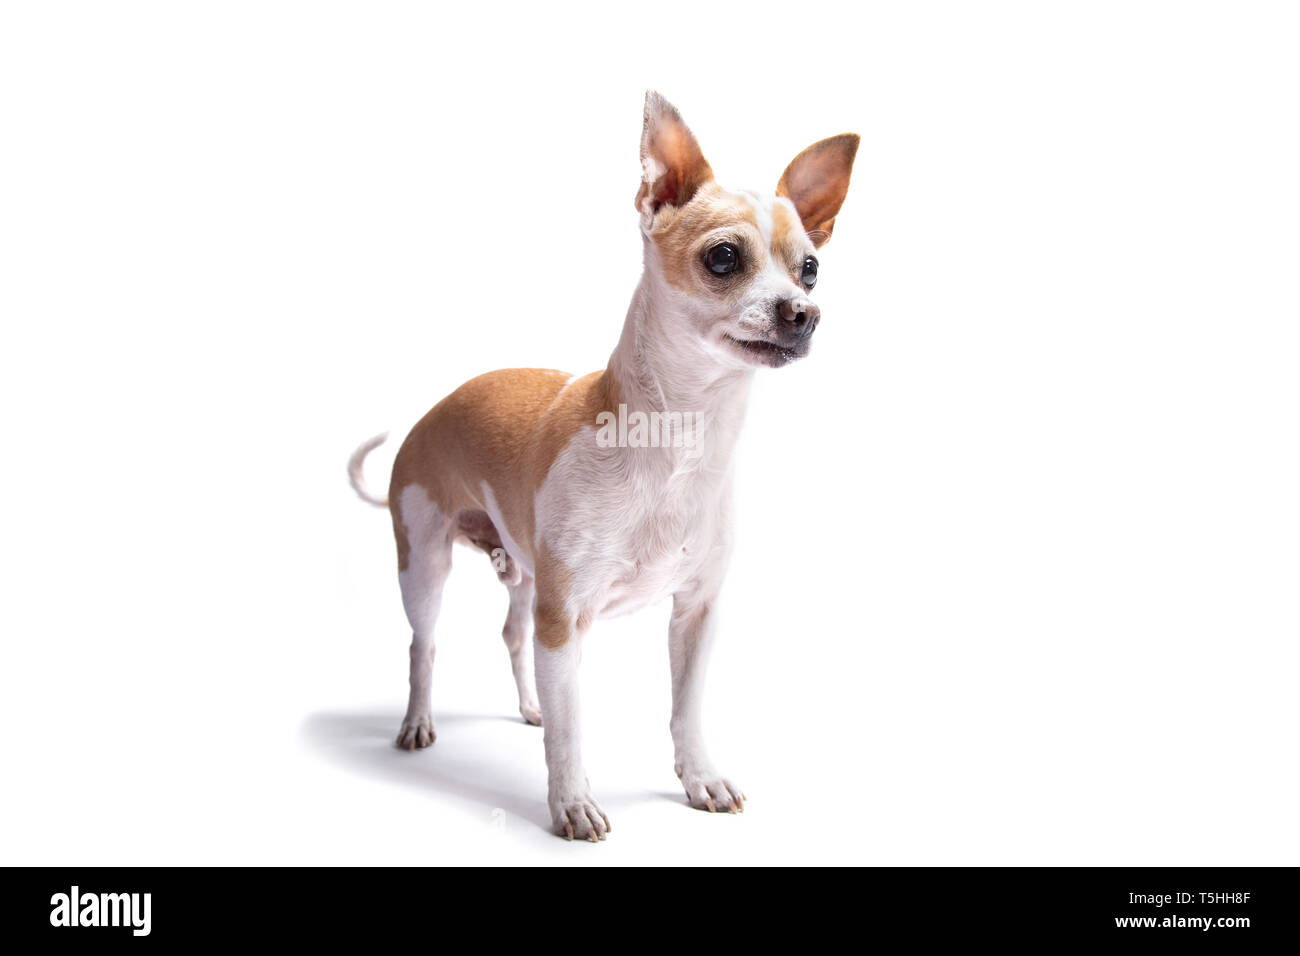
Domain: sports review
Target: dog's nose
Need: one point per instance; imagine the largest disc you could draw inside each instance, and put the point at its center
(800, 314)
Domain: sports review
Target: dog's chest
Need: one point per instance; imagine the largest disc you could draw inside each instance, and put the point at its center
(633, 526)
(656, 557)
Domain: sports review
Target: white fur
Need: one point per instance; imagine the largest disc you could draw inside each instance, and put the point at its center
(421, 582)
(516, 633)
(690, 635)
(762, 206)
(356, 471)
(574, 812)
(755, 315)
(432, 534)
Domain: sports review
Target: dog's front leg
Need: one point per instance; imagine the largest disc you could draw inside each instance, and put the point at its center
(557, 652)
(690, 635)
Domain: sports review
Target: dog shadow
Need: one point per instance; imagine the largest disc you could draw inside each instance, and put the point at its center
(452, 766)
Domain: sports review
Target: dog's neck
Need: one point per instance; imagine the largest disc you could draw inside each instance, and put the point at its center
(659, 365)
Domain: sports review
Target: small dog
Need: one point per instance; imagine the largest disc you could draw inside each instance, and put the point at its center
(583, 519)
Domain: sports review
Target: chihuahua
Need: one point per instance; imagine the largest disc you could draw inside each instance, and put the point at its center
(582, 519)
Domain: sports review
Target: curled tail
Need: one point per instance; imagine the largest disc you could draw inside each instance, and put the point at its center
(355, 475)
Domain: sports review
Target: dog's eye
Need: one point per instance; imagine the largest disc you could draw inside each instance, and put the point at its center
(722, 259)
(810, 272)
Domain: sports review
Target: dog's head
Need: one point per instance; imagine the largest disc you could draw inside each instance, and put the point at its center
(739, 265)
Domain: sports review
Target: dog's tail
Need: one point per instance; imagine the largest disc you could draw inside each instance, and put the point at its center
(355, 475)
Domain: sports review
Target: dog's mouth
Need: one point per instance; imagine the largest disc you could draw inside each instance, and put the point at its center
(763, 352)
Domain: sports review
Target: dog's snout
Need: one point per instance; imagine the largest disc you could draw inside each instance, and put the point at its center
(799, 314)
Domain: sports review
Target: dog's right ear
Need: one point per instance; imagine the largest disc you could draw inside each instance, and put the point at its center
(672, 166)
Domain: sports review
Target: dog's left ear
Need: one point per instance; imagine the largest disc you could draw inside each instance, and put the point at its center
(817, 181)
(672, 166)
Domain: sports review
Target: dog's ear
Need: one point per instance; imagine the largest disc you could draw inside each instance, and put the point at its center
(672, 166)
(816, 182)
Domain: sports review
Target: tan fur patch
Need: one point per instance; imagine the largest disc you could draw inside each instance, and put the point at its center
(505, 428)
(683, 234)
(477, 433)
(552, 622)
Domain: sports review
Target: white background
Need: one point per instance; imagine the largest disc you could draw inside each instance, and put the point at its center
(1016, 579)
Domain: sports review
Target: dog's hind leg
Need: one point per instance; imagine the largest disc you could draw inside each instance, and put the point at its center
(424, 542)
(517, 634)
(477, 528)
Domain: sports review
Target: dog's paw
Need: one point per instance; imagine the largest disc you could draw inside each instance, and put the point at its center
(531, 713)
(708, 791)
(580, 818)
(416, 733)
